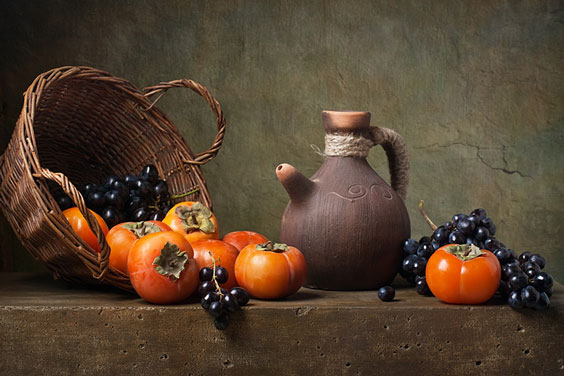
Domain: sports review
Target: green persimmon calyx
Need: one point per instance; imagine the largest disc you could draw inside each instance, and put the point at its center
(171, 262)
(195, 217)
(140, 229)
(272, 247)
(464, 252)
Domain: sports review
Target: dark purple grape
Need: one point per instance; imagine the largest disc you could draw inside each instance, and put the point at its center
(435, 245)
(509, 270)
(134, 203)
(205, 287)
(95, 200)
(457, 237)
(149, 173)
(410, 246)
(208, 299)
(440, 235)
(449, 226)
(113, 198)
(157, 215)
(216, 308)
(425, 240)
(408, 262)
(549, 292)
(112, 216)
(529, 265)
(543, 281)
(408, 276)
(419, 266)
(121, 188)
(538, 259)
(230, 303)
(518, 281)
(160, 189)
(530, 296)
(491, 244)
(480, 213)
(241, 295)
(514, 300)
(524, 257)
(221, 322)
(425, 250)
(386, 293)
(475, 220)
(65, 202)
(512, 255)
(144, 188)
(421, 286)
(481, 233)
(512, 261)
(206, 274)
(140, 214)
(457, 218)
(502, 254)
(543, 302)
(130, 181)
(471, 240)
(221, 275)
(503, 289)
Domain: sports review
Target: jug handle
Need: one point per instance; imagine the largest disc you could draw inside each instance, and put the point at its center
(396, 151)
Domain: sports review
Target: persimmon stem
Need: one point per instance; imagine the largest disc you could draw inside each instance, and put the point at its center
(429, 222)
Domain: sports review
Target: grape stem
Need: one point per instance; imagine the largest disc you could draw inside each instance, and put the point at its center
(213, 276)
(185, 194)
(429, 222)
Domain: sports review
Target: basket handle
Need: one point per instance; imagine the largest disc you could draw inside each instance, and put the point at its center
(76, 197)
(212, 151)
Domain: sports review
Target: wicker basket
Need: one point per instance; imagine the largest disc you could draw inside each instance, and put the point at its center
(77, 125)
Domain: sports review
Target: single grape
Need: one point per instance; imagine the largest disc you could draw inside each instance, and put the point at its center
(221, 275)
(112, 216)
(512, 261)
(491, 244)
(502, 254)
(538, 259)
(449, 226)
(419, 266)
(140, 214)
(205, 287)
(530, 296)
(160, 189)
(475, 220)
(241, 295)
(425, 250)
(410, 246)
(482, 233)
(543, 281)
(130, 181)
(480, 213)
(421, 286)
(518, 281)
(65, 202)
(121, 188)
(221, 322)
(514, 300)
(144, 188)
(386, 293)
(543, 302)
(157, 215)
(466, 226)
(95, 200)
(457, 218)
(425, 240)
(509, 270)
(210, 297)
(216, 308)
(435, 245)
(533, 267)
(456, 237)
(206, 274)
(134, 203)
(149, 173)
(230, 303)
(441, 235)
(524, 257)
(113, 198)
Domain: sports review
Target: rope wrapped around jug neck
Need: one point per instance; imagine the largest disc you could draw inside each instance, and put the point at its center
(358, 145)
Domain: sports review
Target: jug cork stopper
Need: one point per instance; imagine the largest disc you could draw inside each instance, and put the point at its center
(345, 121)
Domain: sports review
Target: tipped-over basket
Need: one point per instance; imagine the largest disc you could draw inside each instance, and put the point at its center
(78, 125)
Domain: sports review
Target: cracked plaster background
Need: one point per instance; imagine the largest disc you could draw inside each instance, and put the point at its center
(475, 88)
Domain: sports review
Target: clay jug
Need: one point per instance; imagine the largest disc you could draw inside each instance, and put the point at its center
(347, 221)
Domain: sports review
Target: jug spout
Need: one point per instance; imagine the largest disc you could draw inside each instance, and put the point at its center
(299, 187)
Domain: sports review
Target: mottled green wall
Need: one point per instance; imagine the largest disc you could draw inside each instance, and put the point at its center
(475, 87)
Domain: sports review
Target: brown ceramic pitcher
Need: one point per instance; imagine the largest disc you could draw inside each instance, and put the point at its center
(348, 222)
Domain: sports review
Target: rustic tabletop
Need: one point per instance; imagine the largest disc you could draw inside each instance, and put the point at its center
(49, 327)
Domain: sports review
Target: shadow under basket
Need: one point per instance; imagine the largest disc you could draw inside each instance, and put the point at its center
(78, 125)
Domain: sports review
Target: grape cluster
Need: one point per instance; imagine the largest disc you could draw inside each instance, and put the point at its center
(216, 300)
(131, 198)
(523, 283)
